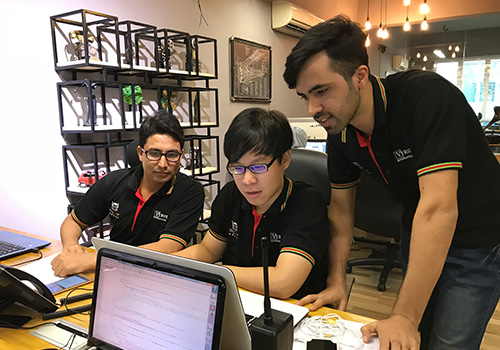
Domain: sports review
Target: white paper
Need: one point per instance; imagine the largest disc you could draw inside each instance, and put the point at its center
(42, 270)
(253, 305)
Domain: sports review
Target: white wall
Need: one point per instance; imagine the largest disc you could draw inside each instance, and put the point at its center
(32, 191)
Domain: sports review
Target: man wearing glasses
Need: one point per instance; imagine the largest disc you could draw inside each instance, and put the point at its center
(153, 205)
(262, 202)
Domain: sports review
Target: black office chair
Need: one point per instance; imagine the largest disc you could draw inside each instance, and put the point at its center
(132, 157)
(312, 167)
(378, 213)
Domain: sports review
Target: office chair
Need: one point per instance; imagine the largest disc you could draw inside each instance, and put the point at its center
(378, 213)
(132, 157)
(312, 167)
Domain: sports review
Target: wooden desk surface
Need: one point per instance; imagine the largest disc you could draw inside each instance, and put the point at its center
(20, 339)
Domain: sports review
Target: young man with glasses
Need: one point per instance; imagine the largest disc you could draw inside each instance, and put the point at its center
(153, 205)
(262, 202)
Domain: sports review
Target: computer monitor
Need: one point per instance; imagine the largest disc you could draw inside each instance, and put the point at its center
(316, 145)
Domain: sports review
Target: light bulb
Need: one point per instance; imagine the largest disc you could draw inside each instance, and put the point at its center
(425, 58)
(368, 24)
(418, 54)
(450, 47)
(380, 31)
(367, 42)
(406, 2)
(406, 26)
(385, 33)
(423, 68)
(453, 55)
(424, 25)
(457, 48)
(424, 8)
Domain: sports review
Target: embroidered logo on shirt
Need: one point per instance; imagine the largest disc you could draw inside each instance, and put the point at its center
(402, 154)
(158, 215)
(275, 237)
(233, 231)
(113, 210)
(357, 165)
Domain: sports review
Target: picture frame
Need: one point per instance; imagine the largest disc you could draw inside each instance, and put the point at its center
(250, 71)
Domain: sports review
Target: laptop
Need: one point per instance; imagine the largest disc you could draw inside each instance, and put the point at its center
(235, 333)
(12, 244)
(141, 303)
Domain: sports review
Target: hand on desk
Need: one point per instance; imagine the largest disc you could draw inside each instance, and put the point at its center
(335, 296)
(396, 332)
(73, 260)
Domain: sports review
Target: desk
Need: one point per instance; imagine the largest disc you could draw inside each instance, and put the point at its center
(20, 339)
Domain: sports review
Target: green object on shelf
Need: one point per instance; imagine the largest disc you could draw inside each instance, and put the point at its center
(127, 94)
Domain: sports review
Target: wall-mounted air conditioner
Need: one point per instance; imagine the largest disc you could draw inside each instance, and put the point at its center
(399, 62)
(291, 19)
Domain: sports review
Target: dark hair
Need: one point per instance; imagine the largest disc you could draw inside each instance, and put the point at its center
(343, 41)
(161, 123)
(260, 131)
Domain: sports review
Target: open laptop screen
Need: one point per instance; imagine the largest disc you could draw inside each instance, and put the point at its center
(140, 303)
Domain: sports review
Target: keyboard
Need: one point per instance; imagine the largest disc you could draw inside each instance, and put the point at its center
(7, 248)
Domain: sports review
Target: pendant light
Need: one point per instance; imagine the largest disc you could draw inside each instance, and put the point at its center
(368, 24)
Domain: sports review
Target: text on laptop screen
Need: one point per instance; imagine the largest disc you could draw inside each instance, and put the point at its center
(143, 308)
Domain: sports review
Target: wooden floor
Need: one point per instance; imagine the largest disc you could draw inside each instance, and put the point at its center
(366, 300)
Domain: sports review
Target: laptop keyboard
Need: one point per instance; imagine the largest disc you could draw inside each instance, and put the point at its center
(7, 248)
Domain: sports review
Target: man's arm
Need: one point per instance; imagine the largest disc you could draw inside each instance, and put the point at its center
(208, 250)
(74, 258)
(285, 278)
(164, 245)
(432, 232)
(70, 234)
(341, 220)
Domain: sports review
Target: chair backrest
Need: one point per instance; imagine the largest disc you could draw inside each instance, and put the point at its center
(310, 167)
(375, 210)
(132, 157)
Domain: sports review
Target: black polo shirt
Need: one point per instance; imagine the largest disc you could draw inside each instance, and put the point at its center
(171, 213)
(423, 123)
(295, 223)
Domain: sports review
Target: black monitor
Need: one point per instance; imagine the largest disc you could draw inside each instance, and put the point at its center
(13, 289)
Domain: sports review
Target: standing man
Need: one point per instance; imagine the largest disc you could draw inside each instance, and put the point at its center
(415, 132)
(153, 205)
(262, 202)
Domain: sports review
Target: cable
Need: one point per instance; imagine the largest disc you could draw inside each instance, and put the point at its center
(323, 327)
(35, 250)
(69, 300)
(62, 313)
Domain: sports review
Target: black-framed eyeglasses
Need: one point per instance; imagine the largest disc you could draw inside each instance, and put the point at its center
(155, 155)
(254, 168)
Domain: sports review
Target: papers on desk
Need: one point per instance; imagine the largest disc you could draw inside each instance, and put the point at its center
(253, 305)
(42, 270)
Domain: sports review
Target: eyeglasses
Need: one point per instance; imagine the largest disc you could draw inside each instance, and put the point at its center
(155, 155)
(254, 168)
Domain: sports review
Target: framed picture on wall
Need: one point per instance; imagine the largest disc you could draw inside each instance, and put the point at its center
(250, 71)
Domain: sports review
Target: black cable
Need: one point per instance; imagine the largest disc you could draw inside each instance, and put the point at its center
(40, 255)
(202, 16)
